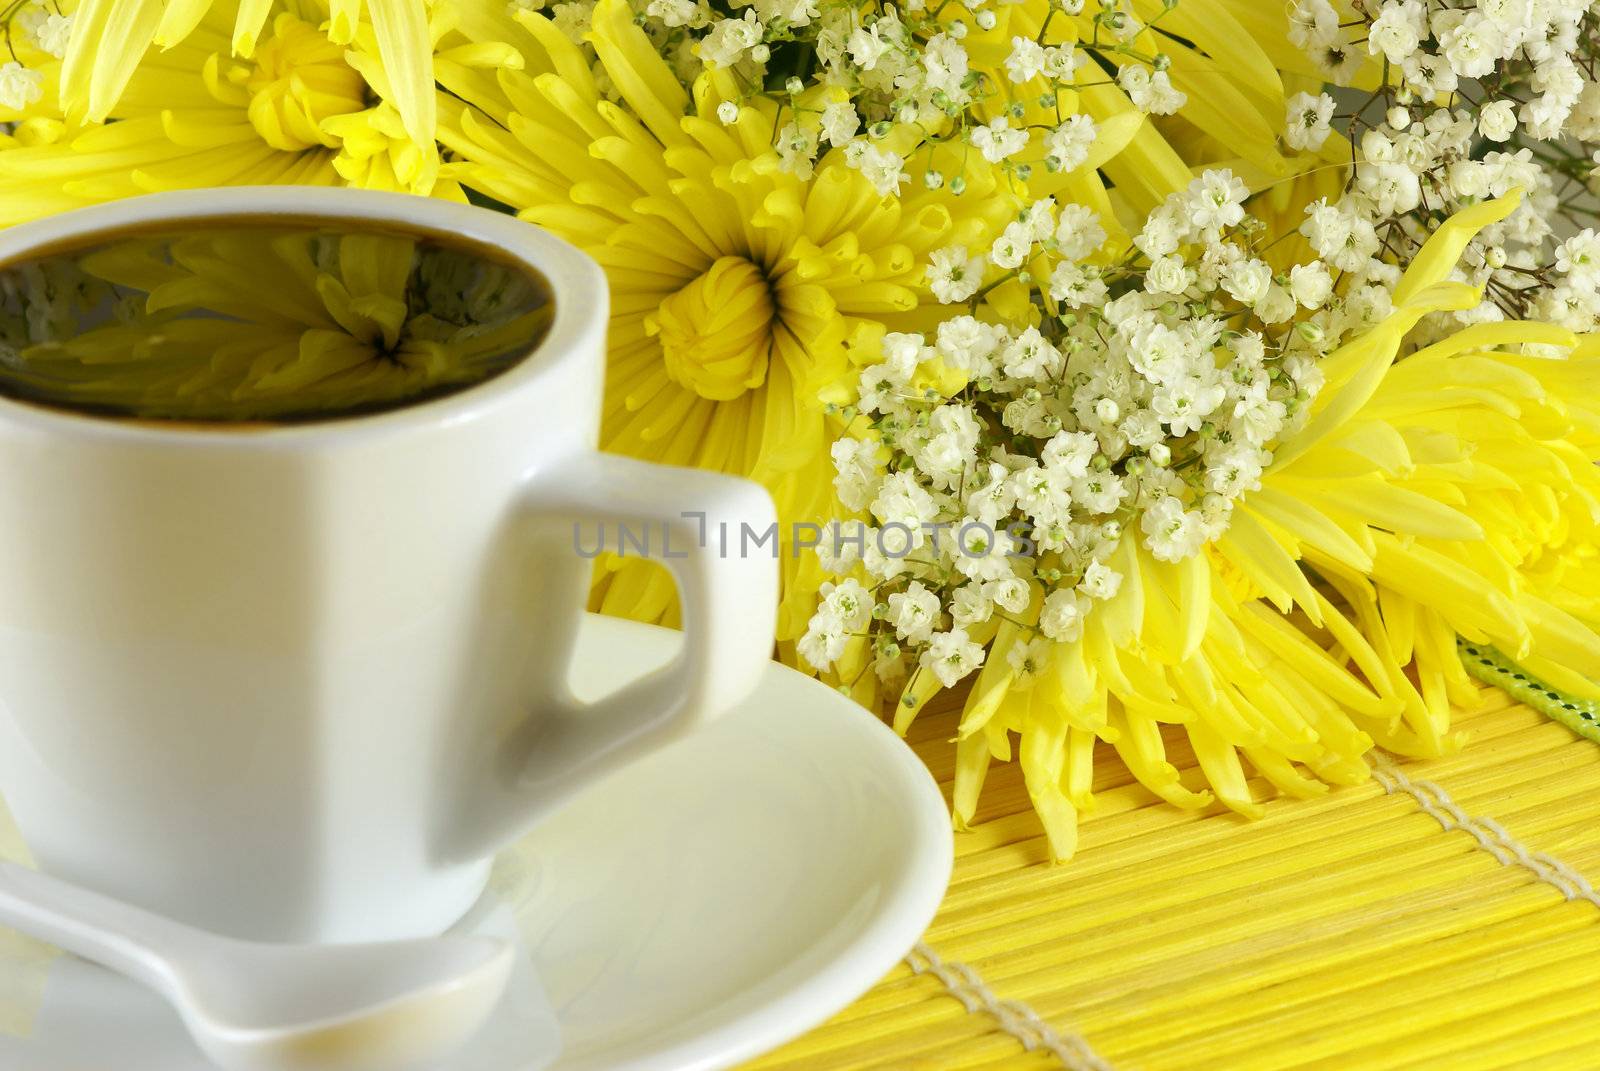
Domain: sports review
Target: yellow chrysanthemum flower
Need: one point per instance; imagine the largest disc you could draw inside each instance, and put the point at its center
(1220, 57)
(1453, 493)
(1232, 61)
(1399, 497)
(111, 39)
(304, 109)
(736, 286)
(1235, 61)
(1142, 168)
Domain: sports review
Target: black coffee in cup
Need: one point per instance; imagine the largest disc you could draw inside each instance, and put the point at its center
(277, 320)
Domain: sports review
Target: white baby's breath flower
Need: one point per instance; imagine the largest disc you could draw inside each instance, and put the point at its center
(1030, 356)
(19, 86)
(1011, 594)
(839, 122)
(1579, 256)
(1067, 146)
(1312, 23)
(1100, 581)
(1471, 42)
(1306, 125)
(1061, 618)
(1393, 187)
(951, 656)
(1171, 532)
(1027, 659)
(1497, 120)
(673, 12)
(914, 613)
(730, 39)
(1026, 60)
(997, 140)
(945, 63)
(868, 44)
(51, 31)
(1310, 284)
(1040, 218)
(952, 275)
(824, 640)
(1234, 469)
(901, 500)
(1429, 75)
(967, 343)
(1068, 454)
(1078, 231)
(1216, 200)
(970, 606)
(1247, 280)
(1076, 285)
(1061, 62)
(884, 169)
(848, 604)
(1398, 30)
(793, 12)
(797, 150)
(1012, 247)
(1150, 92)
(1168, 275)
(856, 470)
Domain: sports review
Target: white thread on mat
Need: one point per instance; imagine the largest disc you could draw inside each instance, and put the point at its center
(1014, 1018)
(1490, 835)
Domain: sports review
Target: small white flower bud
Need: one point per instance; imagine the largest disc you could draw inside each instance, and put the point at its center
(1497, 120)
(985, 20)
(1107, 410)
(728, 112)
(1399, 118)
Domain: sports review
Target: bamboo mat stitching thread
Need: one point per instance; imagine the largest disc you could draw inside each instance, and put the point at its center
(1014, 1018)
(1021, 1022)
(1490, 835)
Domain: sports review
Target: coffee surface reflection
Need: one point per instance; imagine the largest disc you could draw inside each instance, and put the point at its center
(275, 321)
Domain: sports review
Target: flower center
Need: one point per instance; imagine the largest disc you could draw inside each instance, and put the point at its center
(716, 333)
(299, 79)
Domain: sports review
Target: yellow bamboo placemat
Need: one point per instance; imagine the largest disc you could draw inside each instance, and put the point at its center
(1436, 917)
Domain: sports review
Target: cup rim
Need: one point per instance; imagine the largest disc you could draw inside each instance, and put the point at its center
(578, 288)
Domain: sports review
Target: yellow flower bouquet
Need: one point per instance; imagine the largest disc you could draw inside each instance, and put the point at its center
(1143, 366)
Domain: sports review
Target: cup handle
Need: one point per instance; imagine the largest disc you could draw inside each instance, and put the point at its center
(729, 601)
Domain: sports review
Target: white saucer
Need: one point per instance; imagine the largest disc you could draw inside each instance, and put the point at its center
(692, 912)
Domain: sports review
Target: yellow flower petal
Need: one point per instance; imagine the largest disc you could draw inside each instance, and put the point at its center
(406, 46)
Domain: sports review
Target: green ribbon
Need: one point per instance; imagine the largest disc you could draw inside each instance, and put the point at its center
(1582, 716)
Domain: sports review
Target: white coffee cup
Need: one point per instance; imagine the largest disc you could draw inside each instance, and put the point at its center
(301, 682)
